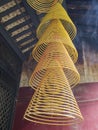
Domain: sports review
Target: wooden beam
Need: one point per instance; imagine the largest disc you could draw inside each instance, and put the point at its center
(2, 2)
(32, 14)
(29, 44)
(10, 42)
(25, 39)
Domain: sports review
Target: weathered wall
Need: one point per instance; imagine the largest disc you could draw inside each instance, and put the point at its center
(87, 97)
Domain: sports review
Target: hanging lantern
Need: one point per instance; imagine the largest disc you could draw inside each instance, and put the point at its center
(55, 32)
(57, 12)
(55, 52)
(42, 5)
(53, 102)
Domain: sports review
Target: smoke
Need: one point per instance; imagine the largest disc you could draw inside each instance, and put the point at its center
(88, 26)
(87, 30)
(91, 17)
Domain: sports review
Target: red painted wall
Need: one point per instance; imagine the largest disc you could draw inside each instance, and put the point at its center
(87, 97)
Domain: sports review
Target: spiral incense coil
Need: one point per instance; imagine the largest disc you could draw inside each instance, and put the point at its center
(55, 32)
(57, 12)
(42, 5)
(53, 102)
(55, 52)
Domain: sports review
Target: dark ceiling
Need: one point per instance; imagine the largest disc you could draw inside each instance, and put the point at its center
(18, 23)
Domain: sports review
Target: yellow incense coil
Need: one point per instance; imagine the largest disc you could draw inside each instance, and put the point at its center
(55, 32)
(42, 5)
(57, 12)
(53, 102)
(55, 52)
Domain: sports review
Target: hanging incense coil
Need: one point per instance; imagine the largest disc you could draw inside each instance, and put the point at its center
(57, 12)
(55, 52)
(42, 5)
(53, 102)
(55, 32)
